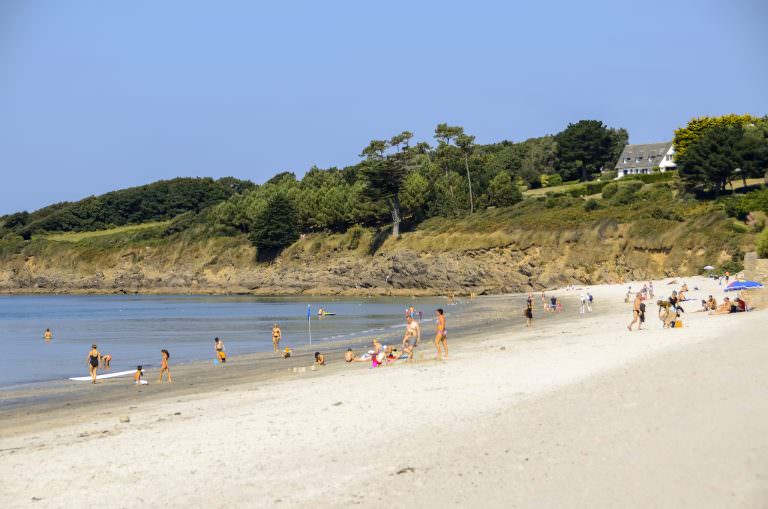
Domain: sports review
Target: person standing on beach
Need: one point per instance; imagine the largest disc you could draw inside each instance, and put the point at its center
(164, 365)
(636, 313)
(277, 335)
(221, 354)
(412, 330)
(528, 313)
(441, 337)
(93, 362)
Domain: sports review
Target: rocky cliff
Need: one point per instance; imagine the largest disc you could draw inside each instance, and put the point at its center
(360, 263)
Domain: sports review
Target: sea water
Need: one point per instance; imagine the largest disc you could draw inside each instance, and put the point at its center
(133, 328)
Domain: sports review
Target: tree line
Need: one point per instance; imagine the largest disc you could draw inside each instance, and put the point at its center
(158, 201)
(712, 152)
(397, 180)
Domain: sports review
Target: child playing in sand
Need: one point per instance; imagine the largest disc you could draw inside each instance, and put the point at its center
(319, 359)
(137, 376)
(287, 352)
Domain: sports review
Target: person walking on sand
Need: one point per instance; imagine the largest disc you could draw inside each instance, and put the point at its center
(277, 335)
(93, 362)
(441, 337)
(528, 313)
(164, 365)
(221, 354)
(636, 313)
(412, 330)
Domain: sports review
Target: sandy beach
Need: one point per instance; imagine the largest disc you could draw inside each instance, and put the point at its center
(575, 412)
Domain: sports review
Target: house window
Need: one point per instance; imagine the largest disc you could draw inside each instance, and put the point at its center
(638, 159)
(626, 160)
(669, 157)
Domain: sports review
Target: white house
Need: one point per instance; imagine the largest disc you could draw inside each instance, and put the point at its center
(643, 159)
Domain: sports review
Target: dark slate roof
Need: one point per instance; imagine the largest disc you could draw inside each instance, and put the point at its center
(650, 154)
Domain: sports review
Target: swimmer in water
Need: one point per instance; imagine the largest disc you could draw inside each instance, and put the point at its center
(441, 336)
(106, 360)
(277, 335)
(93, 362)
(164, 365)
(48, 335)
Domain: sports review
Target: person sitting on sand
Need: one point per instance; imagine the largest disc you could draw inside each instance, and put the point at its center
(287, 352)
(704, 306)
(164, 365)
(724, 308)
(741, 305)
(221, 354)
(665, 313)
(94, 356)
(319, 359)
(47, 335)
(711, 303)
(106, 360)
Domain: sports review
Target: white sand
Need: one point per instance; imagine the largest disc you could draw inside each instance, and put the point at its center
(579, 414)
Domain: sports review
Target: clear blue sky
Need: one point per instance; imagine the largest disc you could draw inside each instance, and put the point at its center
(99, 95)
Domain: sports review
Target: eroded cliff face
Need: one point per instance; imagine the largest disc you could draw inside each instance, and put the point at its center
(418, 263)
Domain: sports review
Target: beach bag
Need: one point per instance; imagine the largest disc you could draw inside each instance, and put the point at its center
(678, 324)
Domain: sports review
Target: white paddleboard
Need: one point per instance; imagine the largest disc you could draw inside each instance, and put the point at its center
(103, 377)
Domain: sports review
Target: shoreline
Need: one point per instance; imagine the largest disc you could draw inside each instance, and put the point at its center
(25, 404)
(576, 407)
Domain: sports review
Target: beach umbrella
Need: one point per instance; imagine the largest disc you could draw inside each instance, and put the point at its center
(709, 267)
(742, 285)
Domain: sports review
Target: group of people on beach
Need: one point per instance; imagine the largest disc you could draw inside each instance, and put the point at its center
(670, 310)
(96, 359)
(380, 354)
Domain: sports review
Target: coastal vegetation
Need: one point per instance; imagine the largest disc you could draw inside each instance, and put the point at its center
(406, 198)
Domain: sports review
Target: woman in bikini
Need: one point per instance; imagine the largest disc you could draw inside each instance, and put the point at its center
(441, 337)
(528, 313)
(93, 362)
(164, 365)
(277, 335)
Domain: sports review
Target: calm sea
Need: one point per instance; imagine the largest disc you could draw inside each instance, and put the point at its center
(133, 329)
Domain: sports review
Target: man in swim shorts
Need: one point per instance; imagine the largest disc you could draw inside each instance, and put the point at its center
(412, 330)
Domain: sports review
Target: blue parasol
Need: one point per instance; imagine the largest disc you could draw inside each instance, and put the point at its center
(742, 285)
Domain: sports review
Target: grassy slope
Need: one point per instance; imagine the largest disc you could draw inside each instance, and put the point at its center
(120, 230)
(608, 238)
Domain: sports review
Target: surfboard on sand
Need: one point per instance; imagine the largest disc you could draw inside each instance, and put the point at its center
(104, 376)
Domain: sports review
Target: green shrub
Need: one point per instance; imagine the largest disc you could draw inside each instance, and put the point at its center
(355, 234)
(609, 190)
(762, 244)
(590, 205)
